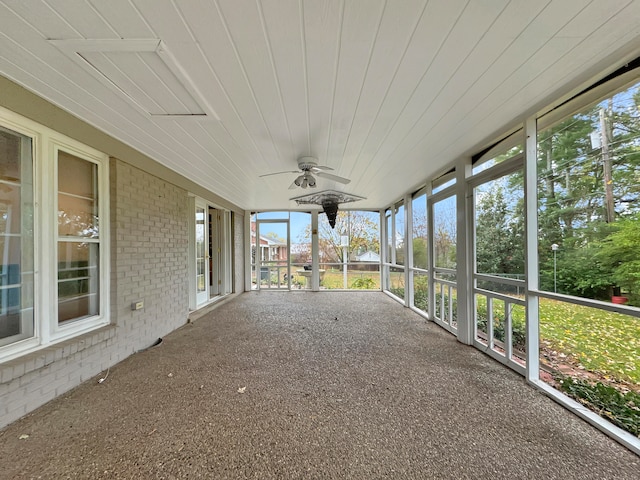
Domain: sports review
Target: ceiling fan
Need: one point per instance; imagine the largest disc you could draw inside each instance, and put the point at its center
(307, 168)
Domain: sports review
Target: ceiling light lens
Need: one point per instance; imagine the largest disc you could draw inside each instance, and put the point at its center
(298, 181)
(304, 183)
(311, 181)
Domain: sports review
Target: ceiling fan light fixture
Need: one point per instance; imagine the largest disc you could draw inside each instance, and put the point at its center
(298, 180)
(311, 181)
(304, 183)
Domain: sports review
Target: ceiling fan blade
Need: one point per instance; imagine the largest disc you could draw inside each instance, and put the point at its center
(279, 173)
(317, 168)
(335, 178)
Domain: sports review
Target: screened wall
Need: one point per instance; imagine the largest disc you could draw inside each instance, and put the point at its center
(530, 249)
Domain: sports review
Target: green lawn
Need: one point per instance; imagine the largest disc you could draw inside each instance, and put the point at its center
(334, 279)
(601, 342)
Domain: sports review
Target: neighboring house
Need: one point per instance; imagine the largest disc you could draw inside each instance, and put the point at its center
(271, 249)
(368, 256)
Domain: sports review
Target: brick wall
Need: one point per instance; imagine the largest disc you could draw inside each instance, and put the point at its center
(149, 263)
(149, 256)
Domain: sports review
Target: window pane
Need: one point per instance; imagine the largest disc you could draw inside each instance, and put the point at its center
(419, 224)
(78, 260)
(16, 237)
(78, 292)
(77, 198)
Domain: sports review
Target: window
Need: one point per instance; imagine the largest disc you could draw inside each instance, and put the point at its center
(78, 238)
(16, 237)
(64, 241)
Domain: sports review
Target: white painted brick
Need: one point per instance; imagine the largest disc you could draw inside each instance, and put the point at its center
(149, 248)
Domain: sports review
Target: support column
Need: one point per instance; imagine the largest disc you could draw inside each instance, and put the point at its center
(531, 246)
(315, 254)
(464, 254)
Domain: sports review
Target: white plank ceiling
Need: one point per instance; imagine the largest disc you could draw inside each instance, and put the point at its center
(386, 92)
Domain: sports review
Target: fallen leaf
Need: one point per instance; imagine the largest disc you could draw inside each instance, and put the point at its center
(23, 436)
(242, 389)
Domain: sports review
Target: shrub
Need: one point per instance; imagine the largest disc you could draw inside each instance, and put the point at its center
(363, 283)
(621, 409)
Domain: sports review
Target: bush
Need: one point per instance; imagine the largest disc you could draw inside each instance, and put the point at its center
(518, 326)
(621, 409)
(363, 283)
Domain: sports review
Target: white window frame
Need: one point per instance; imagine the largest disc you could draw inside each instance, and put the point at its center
(46, 144)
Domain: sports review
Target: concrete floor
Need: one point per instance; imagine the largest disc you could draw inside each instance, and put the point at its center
(309, 385)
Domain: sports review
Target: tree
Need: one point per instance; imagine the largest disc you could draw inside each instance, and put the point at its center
(499, 234)
(361, 227)
(620, 252)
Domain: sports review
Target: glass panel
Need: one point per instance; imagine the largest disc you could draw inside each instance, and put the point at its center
(77, 196)
(10, 206)
(16, 237)
(419, 226)
(77, 217)
(200, 250)
(444, 234)
(13, 148)
(78, 280)
(78, 261)
(589, 201)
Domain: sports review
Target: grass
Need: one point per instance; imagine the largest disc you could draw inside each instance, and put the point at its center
(597, 341)
(602, 342)
(334, 279)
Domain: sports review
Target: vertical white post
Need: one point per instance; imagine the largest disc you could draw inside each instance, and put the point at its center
(464, 258)
(408, 251)
(531, 245)
(315, 254)
(431, 301)
(247, 251)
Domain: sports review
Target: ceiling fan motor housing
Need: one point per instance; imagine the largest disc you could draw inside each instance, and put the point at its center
(307, 163)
